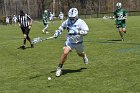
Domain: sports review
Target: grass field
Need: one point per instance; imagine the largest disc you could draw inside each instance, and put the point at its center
(114, 66)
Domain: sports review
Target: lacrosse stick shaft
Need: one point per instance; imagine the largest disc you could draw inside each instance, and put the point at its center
(39, 39)
(50, 37)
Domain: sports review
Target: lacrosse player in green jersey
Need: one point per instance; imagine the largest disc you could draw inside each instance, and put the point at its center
(45, 21)
(120, 16)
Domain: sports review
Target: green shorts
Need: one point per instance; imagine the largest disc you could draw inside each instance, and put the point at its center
(122, 25)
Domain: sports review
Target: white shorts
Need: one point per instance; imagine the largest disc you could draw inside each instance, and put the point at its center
(77, 46)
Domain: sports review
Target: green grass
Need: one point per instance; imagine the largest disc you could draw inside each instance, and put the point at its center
(114, 66)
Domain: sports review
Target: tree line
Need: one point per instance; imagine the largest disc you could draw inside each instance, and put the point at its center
(35, 8)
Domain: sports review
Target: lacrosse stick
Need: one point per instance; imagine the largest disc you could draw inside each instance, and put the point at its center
(40, 39)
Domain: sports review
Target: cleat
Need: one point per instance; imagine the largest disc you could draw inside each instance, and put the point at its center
(122, 39)
(43, 31)
(22, 47)
(58, 72)
(85, 60)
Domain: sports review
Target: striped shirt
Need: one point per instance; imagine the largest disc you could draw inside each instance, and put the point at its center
(24, 21)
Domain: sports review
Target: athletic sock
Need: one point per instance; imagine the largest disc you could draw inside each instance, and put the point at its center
(60, 65)
(24, 41)
(85, 56)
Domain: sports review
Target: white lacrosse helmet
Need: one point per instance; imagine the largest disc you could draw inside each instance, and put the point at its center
(73, 14)
(119, 5)
(45, 11)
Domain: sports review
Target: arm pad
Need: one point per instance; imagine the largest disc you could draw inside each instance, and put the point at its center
(73, 32)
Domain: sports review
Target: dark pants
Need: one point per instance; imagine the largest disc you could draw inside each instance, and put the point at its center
(26, 30)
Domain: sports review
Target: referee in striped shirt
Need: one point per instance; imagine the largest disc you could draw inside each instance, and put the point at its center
(25, 23)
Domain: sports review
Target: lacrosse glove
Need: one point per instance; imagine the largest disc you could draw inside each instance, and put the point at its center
(57, 33)
(73, 31)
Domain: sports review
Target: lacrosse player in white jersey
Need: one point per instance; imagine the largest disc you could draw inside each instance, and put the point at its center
(76, 28)
(61, 16)
(14, 20)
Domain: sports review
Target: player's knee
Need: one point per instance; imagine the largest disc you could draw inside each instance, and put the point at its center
(25, 35)
(66, 51)
(124, 29)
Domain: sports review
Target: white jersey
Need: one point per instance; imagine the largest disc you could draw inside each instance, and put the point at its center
(7, 20)
(61, 16)
(15, 19)
(80, 25)
(51, 17)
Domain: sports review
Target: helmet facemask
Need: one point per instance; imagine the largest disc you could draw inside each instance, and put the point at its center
(118, 5)
(73, 15)
(73, 19)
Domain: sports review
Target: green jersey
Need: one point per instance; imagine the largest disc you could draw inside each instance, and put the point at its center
(119, 15)
(45, 18)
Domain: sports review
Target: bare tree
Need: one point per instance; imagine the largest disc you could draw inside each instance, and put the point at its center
(86, 7)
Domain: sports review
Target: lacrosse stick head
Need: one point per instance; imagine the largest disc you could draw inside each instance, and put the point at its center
(36, 40)
(40, 39)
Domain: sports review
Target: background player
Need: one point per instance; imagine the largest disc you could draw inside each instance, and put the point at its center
(45, 21)
(14, 20)
(121, 16)
(61, 16)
